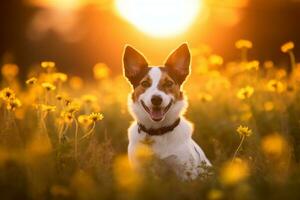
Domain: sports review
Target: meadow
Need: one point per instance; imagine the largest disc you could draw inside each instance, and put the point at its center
(63, 137)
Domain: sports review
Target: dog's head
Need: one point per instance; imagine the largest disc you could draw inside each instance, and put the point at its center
(157, 95)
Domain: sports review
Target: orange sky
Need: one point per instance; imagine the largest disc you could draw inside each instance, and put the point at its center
(85, 33)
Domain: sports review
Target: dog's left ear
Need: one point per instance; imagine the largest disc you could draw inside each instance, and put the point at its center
(178, 63)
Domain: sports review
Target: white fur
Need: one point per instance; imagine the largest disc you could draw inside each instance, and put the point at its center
(177, 146)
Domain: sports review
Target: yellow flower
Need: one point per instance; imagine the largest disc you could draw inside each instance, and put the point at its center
(31, 81)
(144, 153)
(101, 71)
(268, 106)
(60, 77)
(84, 182)
(67, 100)
(215, 194)
(201, 68)
(20, 113)
(275, 86)
(59, 191)
(67, 116)
(84, 120)
(48, 86)
(246, 116)
(286, 47)
(205, 97)
(241, 44)
(252, 65)
(273, 144)
(89, 98)
(234, 172)
(244, 131)
(7, 94)
(73, 107)
(96, 117)
(215, 60)
(281, 73)
(37, 146)
(202, 49)
(48, 64)
(268, 64)
(245, 92)
(64, 98)
(126, 177)
(59, 97)
(10, 70)
(13, 103)
(76, 83)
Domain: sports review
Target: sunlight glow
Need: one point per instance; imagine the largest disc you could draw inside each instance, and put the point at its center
(160, 18)
(58, 4)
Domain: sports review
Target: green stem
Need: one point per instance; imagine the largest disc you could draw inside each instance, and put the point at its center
(76, 138)
(59, 87)
(46, 97)
(244, 56)
(44, 115)
(89, 132)
(293, 60)
(60, 133)
(238, 148)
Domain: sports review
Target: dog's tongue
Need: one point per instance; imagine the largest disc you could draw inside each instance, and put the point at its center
(156, 114)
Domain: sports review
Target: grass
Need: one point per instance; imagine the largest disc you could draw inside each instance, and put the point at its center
(55, 143)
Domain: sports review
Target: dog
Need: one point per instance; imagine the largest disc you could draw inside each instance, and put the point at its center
(157, 104)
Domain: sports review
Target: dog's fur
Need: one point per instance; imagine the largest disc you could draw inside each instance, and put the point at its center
(177, 146)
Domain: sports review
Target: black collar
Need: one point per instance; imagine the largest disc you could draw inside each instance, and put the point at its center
(158, 131)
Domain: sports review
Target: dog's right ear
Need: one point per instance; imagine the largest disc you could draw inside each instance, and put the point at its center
(135, 65)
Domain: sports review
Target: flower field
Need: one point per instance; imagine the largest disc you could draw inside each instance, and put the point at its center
(64, 137)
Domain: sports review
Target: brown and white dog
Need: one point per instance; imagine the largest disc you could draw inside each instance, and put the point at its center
(157, 105)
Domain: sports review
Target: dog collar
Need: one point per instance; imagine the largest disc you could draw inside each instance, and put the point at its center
(159, 131)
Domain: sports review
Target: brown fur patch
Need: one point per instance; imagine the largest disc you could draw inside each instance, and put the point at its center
(139, 89)
(174, 89)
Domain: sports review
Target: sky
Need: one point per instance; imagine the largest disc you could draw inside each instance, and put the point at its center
(78, 35)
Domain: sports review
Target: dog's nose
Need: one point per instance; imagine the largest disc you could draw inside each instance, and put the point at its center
(156, 100)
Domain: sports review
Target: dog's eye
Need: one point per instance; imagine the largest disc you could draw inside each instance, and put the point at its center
(145, 84)
(168, 84)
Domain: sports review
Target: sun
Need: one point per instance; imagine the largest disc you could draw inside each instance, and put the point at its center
(160, 18)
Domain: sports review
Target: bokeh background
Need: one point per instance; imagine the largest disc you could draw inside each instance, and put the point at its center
(79, 33)
(64, 113)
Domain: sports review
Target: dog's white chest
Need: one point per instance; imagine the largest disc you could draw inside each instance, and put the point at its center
(176, 148)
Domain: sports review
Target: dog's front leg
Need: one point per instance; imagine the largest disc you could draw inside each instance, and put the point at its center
(132, 155)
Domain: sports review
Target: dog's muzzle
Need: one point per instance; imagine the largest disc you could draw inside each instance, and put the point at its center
(157, 113)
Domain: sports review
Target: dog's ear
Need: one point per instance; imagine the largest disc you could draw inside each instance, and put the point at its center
(135, 65)
(178, 63)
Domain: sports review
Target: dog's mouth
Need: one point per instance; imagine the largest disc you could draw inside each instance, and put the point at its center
(157, 113)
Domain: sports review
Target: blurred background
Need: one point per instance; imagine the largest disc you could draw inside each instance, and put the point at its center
(243, 98)
(77, 34)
